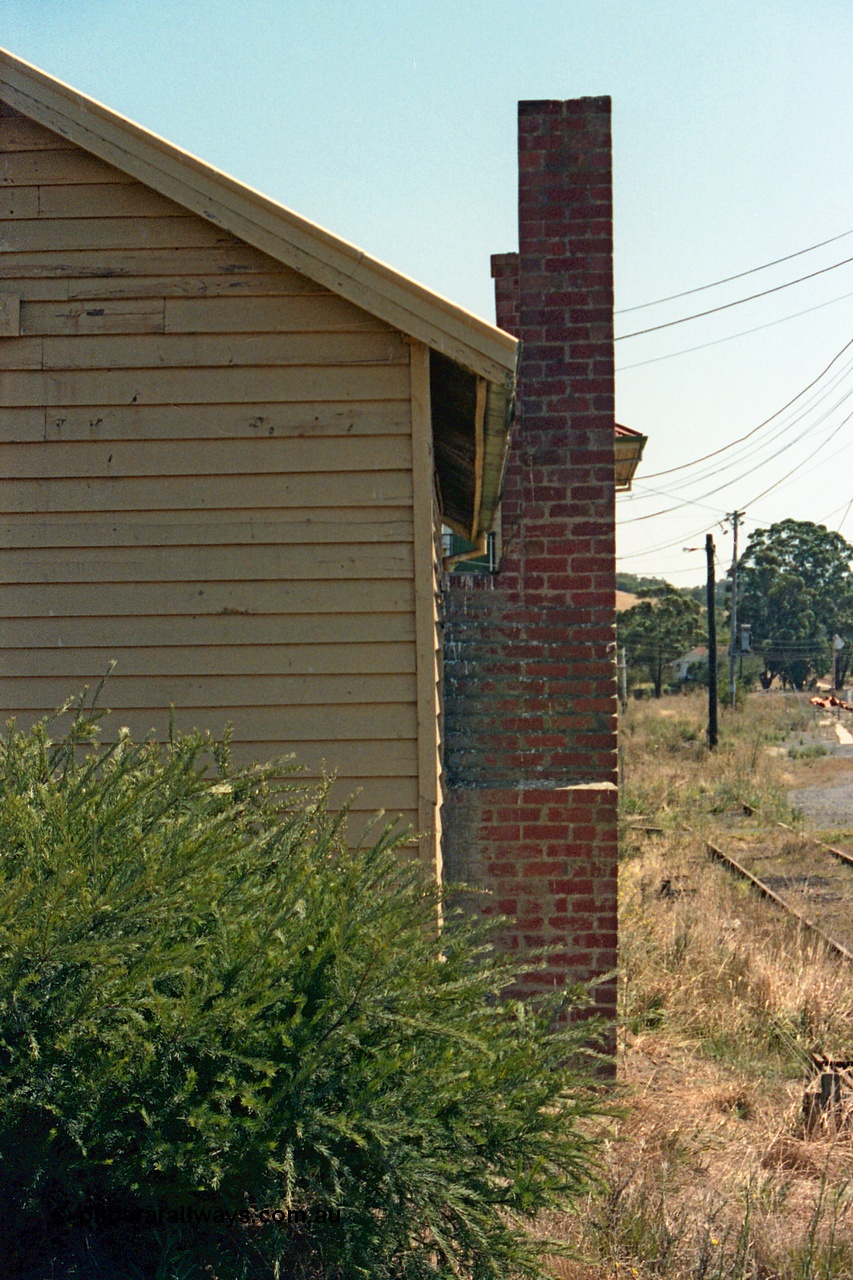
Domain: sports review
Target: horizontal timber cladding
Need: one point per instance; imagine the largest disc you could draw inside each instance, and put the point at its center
(17, 133)
(272, 315)
(352, 724)
(314, 313)
(90, 663)
(266, 734)
(77, 202)
(208, 493)
(18, 203)
(204, 422)
(265, 456)
(193, 350)
(368, 794)
(338, 691)
(33, 168)
(301, 525)
(162, 564)
(222, 385)
(122, 315)
(204, 599)
(171, 632)
(70, 263)
(55, 235)
(209, 599)
(275, 281)
(205, 480)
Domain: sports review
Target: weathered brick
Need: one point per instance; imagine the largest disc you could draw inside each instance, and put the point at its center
(529, 680)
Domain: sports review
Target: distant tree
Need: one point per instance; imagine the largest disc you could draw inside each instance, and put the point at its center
(659, 629)
(722, 591)
(636, 584)
(795, 589)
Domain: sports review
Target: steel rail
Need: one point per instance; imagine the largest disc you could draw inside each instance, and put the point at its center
(750, 810)
(836, 853)
(764, 889)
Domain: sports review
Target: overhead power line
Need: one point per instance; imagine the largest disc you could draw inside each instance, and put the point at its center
(788, 474)
(730, 337)
(738, 302)
(844, 506)
(752, 468)
(664, 546)
(623, 311)
(654, 475)
(740, 440)
(844, 517)
(681, 502)
(682, 538)
(738, 455)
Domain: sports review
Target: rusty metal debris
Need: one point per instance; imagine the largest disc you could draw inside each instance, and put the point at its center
(828, 1096)
(831, 701)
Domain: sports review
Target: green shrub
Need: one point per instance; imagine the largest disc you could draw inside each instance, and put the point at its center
(213, 1012)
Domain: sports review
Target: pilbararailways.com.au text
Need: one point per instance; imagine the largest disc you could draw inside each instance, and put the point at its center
(113, 1214)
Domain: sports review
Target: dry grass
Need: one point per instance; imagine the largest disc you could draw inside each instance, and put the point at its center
(710, 1172)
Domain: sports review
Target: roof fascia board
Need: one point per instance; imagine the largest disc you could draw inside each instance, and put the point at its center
(628, 453)
(261, 222)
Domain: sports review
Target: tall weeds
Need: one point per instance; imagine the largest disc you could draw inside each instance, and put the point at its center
(710, 1176)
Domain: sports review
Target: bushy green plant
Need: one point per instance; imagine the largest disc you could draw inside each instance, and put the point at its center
(213, 1013)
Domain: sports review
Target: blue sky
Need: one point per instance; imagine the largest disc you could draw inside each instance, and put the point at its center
(393, 124)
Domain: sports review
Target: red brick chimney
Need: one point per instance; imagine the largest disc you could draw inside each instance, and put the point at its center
(530, 696)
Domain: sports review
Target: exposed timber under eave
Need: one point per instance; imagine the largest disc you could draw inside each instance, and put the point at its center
(471, 421)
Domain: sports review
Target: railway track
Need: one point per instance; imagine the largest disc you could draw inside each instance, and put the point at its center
(790, 877)
(829, 1083)
(766, 890)
(836, 853)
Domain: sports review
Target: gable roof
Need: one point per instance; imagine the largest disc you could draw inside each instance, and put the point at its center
(481, 350)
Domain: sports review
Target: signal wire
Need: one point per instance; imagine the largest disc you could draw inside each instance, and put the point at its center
(665, 511)
(728, 279)
(726, 306)
(664, 546)
(844, 517)
(742, 333)
(682, 502)
(716, 452)
(686, 482)
(686, 537)
(788, 474)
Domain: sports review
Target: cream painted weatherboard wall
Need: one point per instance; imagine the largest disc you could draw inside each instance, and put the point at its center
(207, 477)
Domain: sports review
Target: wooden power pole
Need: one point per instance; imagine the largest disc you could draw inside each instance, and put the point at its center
(735, 518)
(712, 644)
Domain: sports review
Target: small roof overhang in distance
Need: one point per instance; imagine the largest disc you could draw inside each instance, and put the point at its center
(629, 446)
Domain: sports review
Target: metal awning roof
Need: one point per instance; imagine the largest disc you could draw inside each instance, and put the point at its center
(629, 446)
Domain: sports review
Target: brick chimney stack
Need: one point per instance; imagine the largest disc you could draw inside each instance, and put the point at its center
(530, 697)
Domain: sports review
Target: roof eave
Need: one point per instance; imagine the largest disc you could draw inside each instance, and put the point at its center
(500, 408)
(261, 222)
(628, 449)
